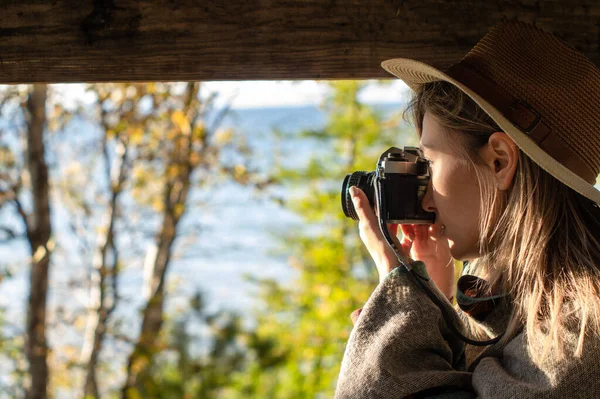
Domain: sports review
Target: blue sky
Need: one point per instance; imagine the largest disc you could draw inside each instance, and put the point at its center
(262, 93)
(251, 94)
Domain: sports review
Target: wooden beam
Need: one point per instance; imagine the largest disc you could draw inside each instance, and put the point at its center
(167, 40)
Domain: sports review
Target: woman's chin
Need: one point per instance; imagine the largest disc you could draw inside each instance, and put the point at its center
(461, 253)
(457, 251)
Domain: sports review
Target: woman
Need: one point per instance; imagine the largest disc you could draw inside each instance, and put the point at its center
(511, 134)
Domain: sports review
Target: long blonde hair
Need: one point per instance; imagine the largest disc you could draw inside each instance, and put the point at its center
(539, 240)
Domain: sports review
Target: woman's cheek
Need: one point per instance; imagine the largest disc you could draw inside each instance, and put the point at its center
(437, 181)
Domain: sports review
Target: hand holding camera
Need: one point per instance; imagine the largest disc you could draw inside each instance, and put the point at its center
(397, 186)
(370, 234)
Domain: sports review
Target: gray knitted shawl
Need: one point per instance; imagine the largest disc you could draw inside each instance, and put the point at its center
(401, 347)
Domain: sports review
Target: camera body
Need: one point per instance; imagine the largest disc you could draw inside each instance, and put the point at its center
(399, 182)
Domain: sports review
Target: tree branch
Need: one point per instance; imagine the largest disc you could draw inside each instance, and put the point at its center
(23, 214)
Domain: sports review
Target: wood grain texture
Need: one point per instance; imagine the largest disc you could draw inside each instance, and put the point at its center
(165, 40)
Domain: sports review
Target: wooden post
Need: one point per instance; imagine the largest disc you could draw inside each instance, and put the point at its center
(187, 40)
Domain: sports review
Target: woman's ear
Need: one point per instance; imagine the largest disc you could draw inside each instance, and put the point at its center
(501, 154)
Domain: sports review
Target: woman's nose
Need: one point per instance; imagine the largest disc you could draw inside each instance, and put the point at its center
(427, 201)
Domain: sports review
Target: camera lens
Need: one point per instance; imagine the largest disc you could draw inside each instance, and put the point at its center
(362, 180)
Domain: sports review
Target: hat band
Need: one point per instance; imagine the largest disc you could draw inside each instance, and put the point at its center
(525, 117)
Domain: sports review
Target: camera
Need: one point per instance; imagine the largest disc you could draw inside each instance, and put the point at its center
(397, 186)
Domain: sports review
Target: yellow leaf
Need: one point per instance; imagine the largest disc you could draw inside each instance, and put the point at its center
(138, 172)
(135, 135)
(178, 209)
(116, 96)
(173, 171)
(39, 253)
(223, 137)
(179, 119)
(239, 172)
(194, 158)
(131, 92)
(157, 204)
(199, 131)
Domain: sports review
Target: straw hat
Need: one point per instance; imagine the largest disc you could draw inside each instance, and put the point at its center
(544, 94)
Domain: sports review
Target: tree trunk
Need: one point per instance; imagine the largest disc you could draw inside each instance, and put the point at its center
(103, 291)
(38, 234)
(152, 318)
(175, 196)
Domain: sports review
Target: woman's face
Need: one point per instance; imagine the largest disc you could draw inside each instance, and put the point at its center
(453, 191)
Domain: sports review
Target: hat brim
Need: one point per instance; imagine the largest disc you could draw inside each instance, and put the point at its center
(415, 73)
